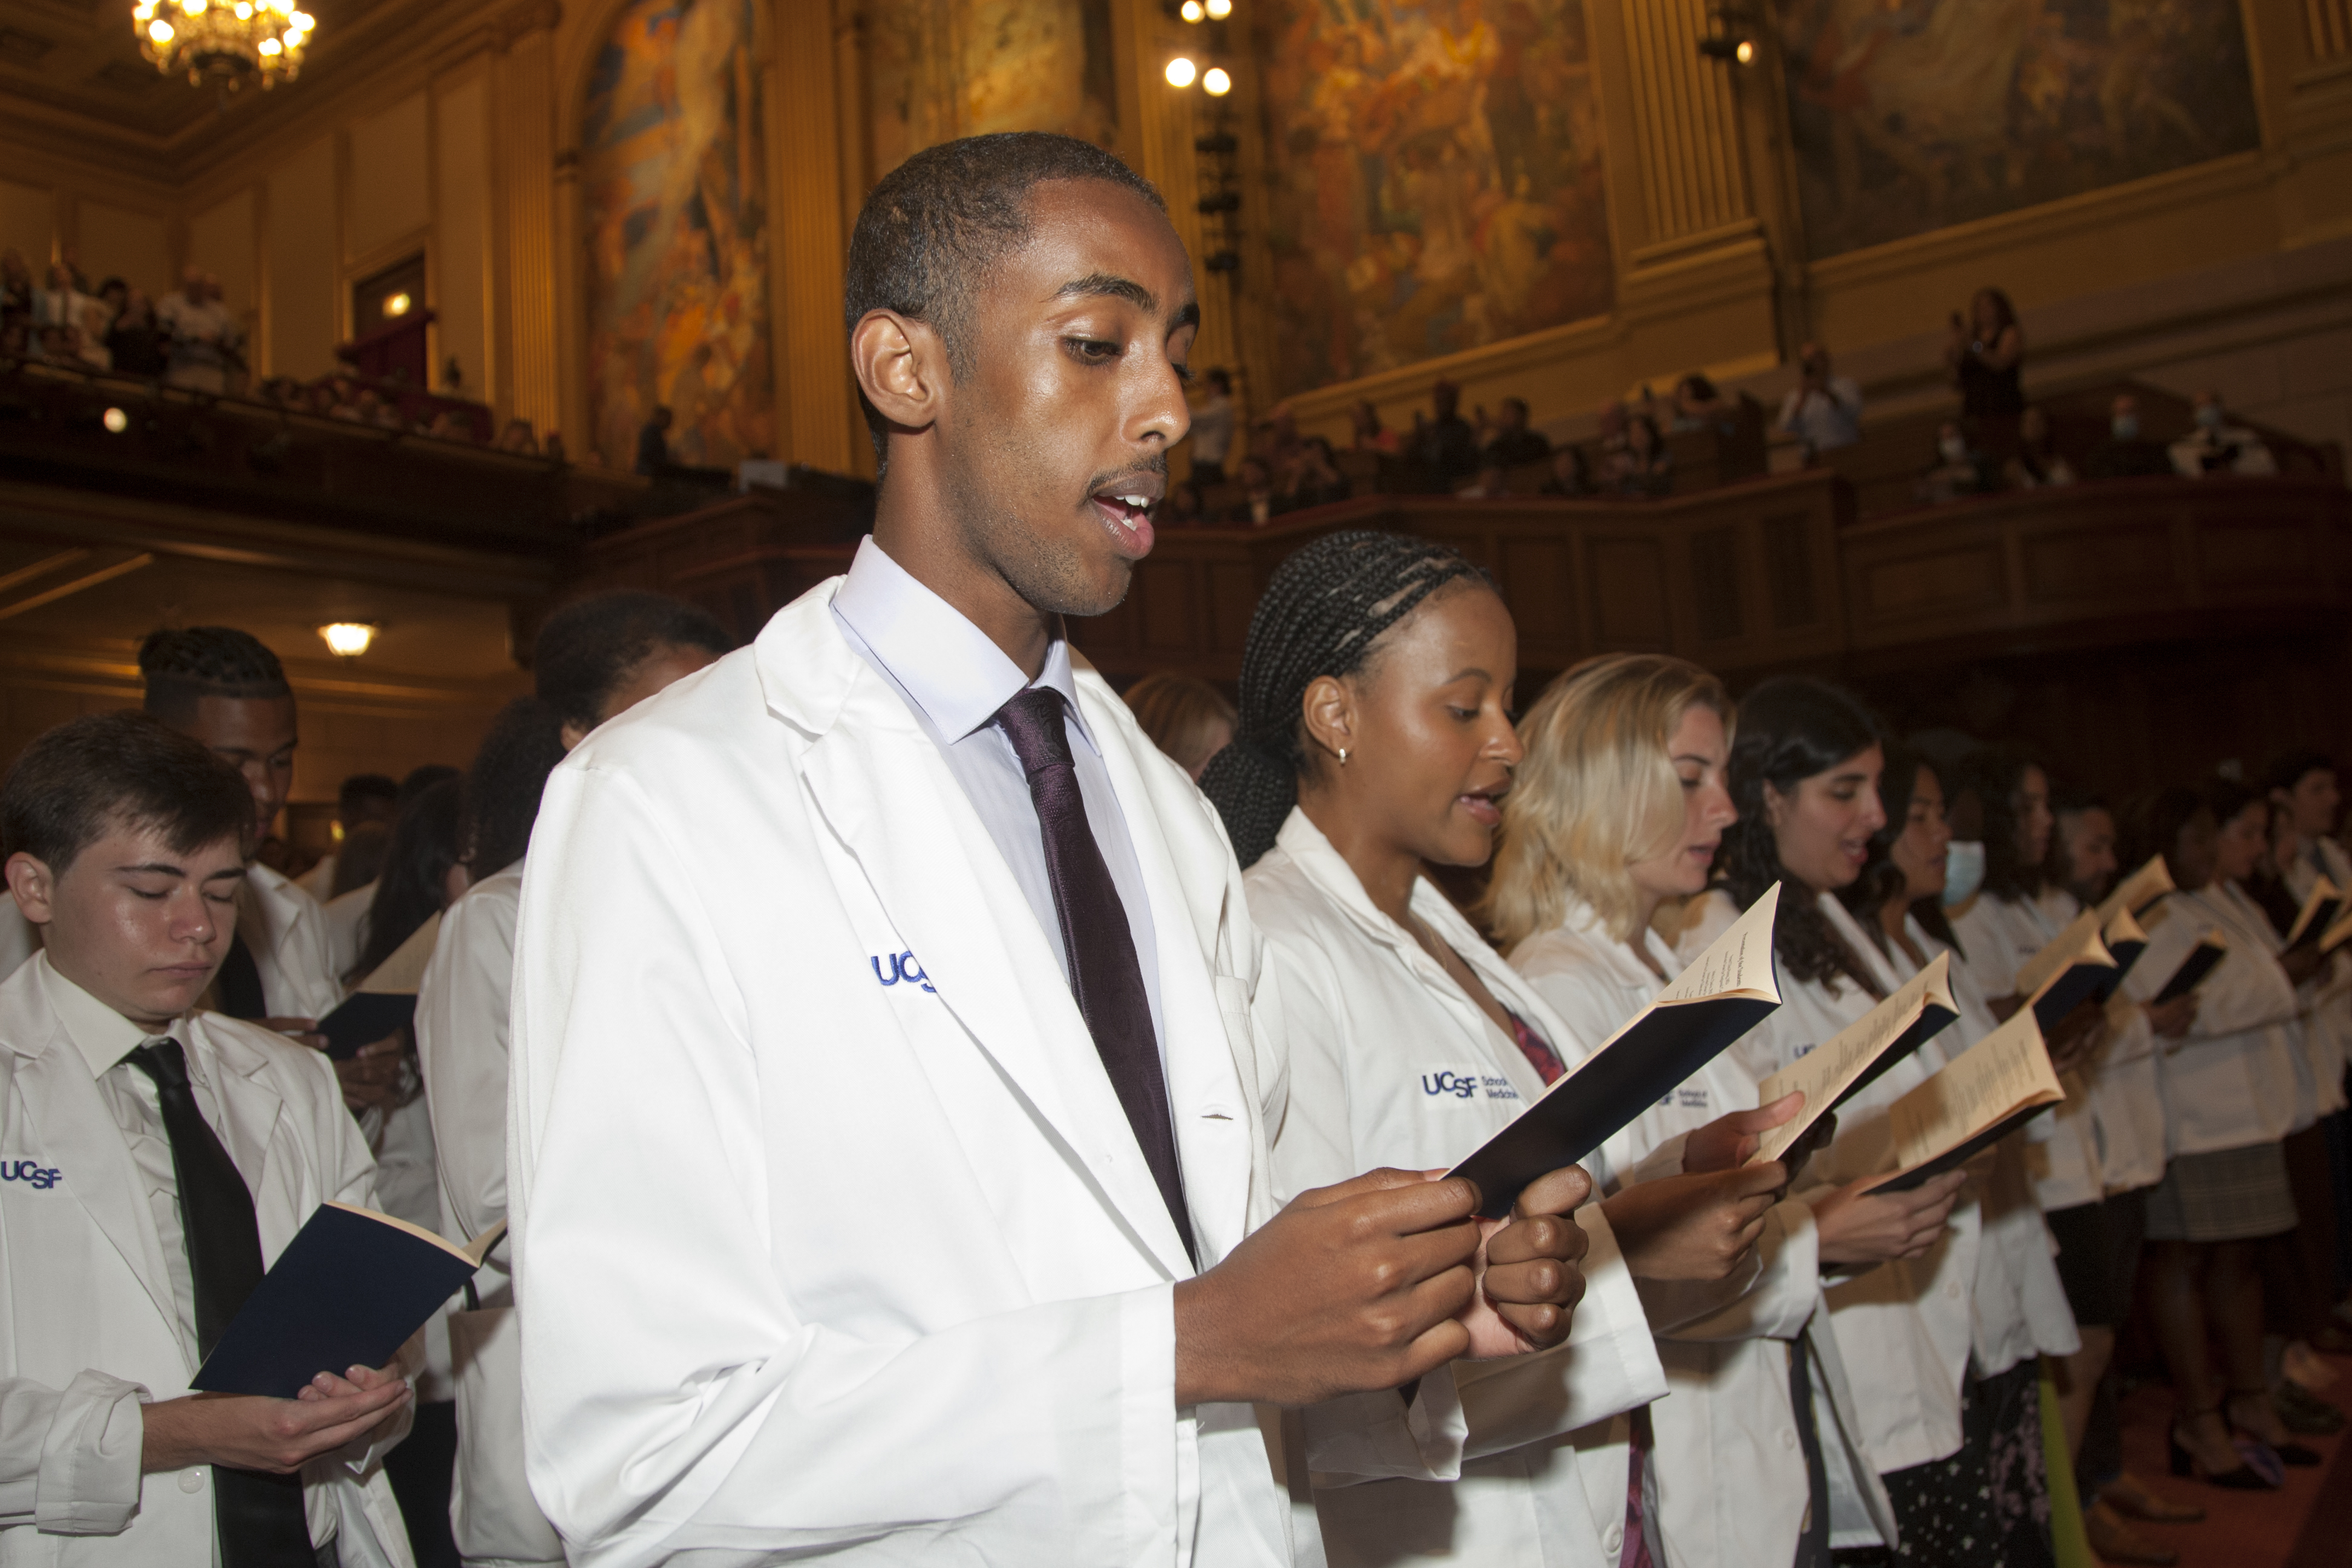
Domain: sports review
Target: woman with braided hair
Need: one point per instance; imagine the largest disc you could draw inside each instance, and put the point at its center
(1375, 735)
(1958, 1450)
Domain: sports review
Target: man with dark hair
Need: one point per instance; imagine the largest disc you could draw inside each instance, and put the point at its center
(159, 1157)
(364, 797)
(894, 1066)
(1444, 444)
(604, 654)
(221, 687)
(652, 444)
(1514, 443)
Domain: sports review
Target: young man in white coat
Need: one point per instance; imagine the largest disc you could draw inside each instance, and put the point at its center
(156, 1157)
(893, 1058)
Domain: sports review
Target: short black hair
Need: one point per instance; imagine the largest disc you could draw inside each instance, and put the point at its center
(361, 788)
(410, 885)
(588, 648)
(2296, 766)
(933, 226)
(182, 664)
(420, 779)
(76, 780)
(504, 785)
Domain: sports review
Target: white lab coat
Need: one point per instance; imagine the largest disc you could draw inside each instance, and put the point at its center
(347, 927)
(19, 937)
(461, 1047)
(88, 1328)
(1904, 1330)
(809, 1262)
(1732, 1488)
(1997, 937)
(286, 931)
(1535, 1449)
(2239, 1076)
(2327, 998)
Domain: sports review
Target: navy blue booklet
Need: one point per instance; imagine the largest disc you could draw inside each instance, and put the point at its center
(385, 1001)
(348, 1291)
(1725, 992)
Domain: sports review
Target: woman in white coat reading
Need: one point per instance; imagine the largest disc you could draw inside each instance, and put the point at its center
(1375, 695)
(1619, 809)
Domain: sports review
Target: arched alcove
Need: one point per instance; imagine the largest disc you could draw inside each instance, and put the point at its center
(673, 182)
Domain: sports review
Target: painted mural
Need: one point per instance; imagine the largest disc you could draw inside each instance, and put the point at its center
(1437, 178)
(1909, 115)
(674, 168)
(937, 69)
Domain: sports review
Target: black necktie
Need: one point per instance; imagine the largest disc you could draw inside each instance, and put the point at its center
(1104, 974)
(238, 983)
(257, 1519)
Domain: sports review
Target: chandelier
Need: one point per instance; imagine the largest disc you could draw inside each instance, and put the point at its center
(227, 41)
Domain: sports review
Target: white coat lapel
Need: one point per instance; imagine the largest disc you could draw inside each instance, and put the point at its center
(249, 1105)
(75, 1132)
(882, 786)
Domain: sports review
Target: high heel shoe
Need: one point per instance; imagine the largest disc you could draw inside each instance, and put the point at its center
(2294, 1456)
(2184, 1463)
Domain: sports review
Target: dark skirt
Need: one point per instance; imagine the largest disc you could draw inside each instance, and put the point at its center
(2231, 1195)
(1989, 1502)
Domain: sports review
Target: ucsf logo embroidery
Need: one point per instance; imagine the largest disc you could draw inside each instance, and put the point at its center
(38, 1178)
(1465, 1085)
(891, 968)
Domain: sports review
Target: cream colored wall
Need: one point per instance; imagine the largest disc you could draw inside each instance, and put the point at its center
(300, 326)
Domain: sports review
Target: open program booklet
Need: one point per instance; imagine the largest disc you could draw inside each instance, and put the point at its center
(1984, 1094)
(2138, 890)
(1727, 991)
(1851, 1061)
(2317, 916)
(2072, 967)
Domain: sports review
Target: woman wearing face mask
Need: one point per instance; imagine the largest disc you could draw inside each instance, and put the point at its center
(594, 659)
(2231, 1096)
(1620, 806)
(2019, 1309)
(1804, 775)
(1374, 737)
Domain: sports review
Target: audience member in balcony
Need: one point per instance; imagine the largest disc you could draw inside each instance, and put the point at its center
(1699, 404)
(1509, 441)
(2219, 446)
(552, 449)
(2126, 453)
(1370, 435)
(1962, 468)
(1569, 475)
(1213, 428)
(1312, 476)
(1185, 716)
(15, 298)
(69, 323)
(1642, 467)
(1257, 504)
(135, 343)
(1824, 409)
(519, 436)
(370, 408)
(1492, 483)
(653, 444)
(1445, 446)
(1610, 430)
(1986, 356)
(2037, 461)
(204, 343)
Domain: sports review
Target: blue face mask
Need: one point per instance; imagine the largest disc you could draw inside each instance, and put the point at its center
(2127, 427)
(2209, 415)
(1964, 868)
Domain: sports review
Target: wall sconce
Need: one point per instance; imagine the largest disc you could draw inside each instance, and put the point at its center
(1741, 51)
(1181, 72)
(348, 639)
(1215, 82)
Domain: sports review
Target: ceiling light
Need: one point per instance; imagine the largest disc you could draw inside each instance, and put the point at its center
(1192, 11)
(228, 43)
(1745, 54)
(1179, 72)
(115, 420)
(1216, 82)
(397, 304)
(1220, 9)
(348, 639)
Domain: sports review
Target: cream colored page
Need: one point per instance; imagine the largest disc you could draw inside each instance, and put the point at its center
(2061, 954)
(2323, 891)
(1825, 1071)
(2002, 1073)
(2122, 930)
(1738, 960)
(2150, 882)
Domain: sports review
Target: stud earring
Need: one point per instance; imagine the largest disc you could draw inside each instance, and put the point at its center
(1343, 757)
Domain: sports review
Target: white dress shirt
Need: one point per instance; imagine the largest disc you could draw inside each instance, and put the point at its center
(955, 679)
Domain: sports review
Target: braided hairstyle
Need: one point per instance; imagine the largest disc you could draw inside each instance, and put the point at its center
(182, 664)
(1323, 614)
(1792, 728)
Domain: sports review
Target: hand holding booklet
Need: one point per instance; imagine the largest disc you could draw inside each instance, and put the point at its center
(2072, 967)
(2202, 959)
(1983, 1095)
(2138, 890)
(348, 1291)
(1832, 1073)
(385, 1000)
(2313, 921)
(1727, 991)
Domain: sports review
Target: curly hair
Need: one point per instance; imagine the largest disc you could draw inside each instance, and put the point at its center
(1323, 614)
(182, 664)
(589, 649)
(1792, 728)
(2150, 824)
(1596, 793)
(1881, 880)
(503, 787)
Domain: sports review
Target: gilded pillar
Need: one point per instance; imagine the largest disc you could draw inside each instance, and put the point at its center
(530, 380)
(808, 241)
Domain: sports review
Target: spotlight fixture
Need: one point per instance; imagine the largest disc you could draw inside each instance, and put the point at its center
(1219, 9)
(1215, 82)
(397, 304)
(348, 639)
(1181, 72)
(1192, 11)
(116, 421)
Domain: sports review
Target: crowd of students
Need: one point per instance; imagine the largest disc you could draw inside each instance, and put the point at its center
(936, 1124)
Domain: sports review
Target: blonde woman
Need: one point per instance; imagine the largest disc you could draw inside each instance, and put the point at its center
(1620, 805)
(1185, 716)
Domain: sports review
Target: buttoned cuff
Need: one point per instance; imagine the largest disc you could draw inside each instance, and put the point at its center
(88, 1480)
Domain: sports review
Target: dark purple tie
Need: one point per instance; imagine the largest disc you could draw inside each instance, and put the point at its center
(1104, 974)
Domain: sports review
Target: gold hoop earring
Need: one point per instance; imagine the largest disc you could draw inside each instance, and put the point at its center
(1343, 757)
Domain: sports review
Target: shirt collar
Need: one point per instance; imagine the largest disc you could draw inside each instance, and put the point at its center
(947, 665)
(101, 1034)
